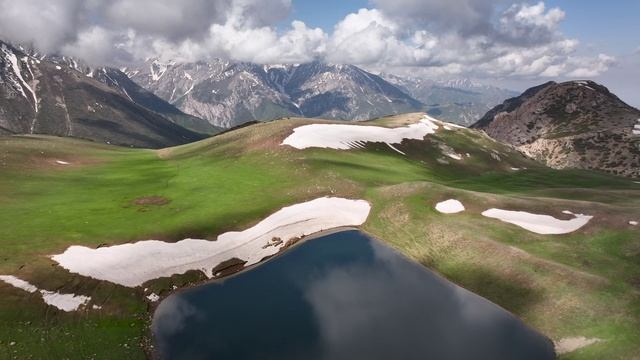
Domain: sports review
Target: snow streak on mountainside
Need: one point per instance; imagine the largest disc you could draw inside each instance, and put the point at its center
(39, 95)
(228, 94)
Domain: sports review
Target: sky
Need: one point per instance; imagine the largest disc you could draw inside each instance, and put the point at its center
(509, 43)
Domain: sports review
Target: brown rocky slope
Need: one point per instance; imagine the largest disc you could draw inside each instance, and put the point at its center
(575, 124)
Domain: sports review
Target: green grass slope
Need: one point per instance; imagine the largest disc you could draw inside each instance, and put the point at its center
(581, 284)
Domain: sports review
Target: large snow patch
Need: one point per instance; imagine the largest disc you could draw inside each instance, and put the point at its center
(344, 136)
(133, 264)
(541, 224)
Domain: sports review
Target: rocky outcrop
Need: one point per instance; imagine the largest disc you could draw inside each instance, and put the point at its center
(576, 124)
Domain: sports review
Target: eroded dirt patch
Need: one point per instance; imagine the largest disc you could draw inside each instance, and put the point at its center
(151, 200)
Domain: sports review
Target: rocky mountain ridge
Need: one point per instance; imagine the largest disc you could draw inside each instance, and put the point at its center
(228, 94)
(575, 124)
(38, 96)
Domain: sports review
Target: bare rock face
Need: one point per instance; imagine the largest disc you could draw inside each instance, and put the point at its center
(39, 95)
(576, 124)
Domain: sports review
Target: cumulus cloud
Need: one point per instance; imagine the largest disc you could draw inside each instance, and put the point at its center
(523, 41)
(47, 25)
(174, 20)
(439, 38)
(530, 25)
(55, 25)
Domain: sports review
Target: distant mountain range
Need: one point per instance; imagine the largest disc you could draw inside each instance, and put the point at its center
(575, 124)
(461, 101)
(206, 97)
(41, 95)
(228, 94)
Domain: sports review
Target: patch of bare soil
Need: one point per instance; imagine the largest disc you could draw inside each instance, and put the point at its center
(228, 267)
(151, 200)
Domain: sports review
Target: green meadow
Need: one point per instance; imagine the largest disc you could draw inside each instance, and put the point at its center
(586, 283)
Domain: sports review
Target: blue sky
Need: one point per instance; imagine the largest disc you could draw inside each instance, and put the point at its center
(609, 25)
(324, 14)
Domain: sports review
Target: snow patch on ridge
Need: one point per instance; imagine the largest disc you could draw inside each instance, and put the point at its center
(64, 302)
(133, 264)
(540, 224)
(345, 137)
(569, 344)
(450, 206)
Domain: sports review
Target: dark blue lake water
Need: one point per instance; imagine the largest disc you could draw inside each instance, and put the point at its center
(340, 296)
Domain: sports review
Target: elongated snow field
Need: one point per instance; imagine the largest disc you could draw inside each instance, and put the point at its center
(345, 137)
(133, 264)
(64, 302)
(540, 224)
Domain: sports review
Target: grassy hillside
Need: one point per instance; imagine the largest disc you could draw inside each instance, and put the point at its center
(582, 284)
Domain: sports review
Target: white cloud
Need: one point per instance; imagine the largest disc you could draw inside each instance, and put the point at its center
(530, 24)
(453, 37)
(47, 25)
(589, 67)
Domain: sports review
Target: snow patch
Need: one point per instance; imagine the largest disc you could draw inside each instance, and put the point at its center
(450, 126)
(13, 59)
(133, 264)
(396, 150)
(633, 223)
(153, 297)
(450, 206)
(64, 302)
(58, 67)
(60, 162)
(540, 224)
(569, 344)
(345, 137)
(448, 151)
(18, 283)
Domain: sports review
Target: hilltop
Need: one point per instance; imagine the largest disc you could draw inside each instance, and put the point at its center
(575, 124)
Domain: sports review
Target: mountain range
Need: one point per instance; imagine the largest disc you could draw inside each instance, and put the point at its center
(206, 97)
(461, 101)
(39, 95)
(229, 94)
